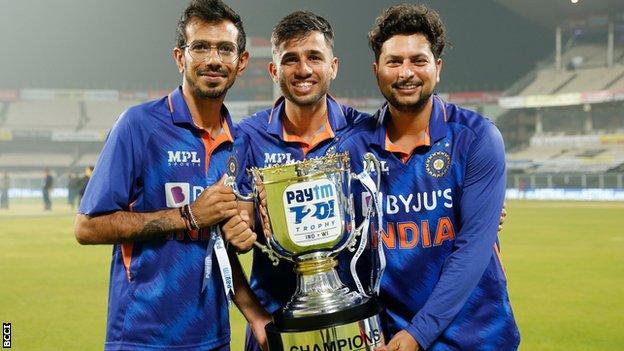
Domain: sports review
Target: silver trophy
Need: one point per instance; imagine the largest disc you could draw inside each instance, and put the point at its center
(307, 215)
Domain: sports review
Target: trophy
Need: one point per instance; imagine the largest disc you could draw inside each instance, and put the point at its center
(307, 214)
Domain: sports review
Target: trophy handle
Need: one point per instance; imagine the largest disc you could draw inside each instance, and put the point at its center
(370, 164)
(274, 256)
(231, 182)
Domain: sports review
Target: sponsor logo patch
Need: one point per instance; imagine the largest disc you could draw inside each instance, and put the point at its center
(177, 194)
(183, 158)
(277, 158)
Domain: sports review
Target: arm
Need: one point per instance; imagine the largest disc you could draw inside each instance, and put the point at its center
(480, 210)
(214, 204)
(123, 226)
(247, 303)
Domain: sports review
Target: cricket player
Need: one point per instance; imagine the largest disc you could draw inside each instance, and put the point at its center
(305, 122)
(156, 194)
(443, 186)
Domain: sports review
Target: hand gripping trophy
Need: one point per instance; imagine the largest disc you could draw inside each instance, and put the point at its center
(307, 214)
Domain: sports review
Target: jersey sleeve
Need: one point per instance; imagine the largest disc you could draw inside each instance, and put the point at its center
(114, 183)
(481, 202)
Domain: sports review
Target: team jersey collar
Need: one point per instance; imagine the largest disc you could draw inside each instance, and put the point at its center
(181, 114)
(335, 117)
(436, 129)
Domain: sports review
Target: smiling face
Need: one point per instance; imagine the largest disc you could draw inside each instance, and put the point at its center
(209, 78)
(304, 68)
(407, 71)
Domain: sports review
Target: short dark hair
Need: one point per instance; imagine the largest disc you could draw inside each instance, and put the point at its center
(211, 11)
(299, 25)
(407, 19)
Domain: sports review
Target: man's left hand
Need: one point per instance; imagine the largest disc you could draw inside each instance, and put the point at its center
(402, 341)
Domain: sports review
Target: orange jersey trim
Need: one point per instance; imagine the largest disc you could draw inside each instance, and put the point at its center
(126, 251)
(500, 259)
(404, 154)
(325, 134)
(211, 144)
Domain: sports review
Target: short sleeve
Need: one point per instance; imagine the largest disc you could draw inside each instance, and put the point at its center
(113, 185)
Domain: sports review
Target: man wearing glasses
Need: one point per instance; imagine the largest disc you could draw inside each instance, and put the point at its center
(156, 194)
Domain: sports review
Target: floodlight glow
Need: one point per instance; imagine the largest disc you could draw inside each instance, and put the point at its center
(574, 1)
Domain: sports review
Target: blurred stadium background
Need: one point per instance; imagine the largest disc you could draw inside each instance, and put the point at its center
(550, 74)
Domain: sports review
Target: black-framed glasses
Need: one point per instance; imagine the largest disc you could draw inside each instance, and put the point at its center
(201, 50)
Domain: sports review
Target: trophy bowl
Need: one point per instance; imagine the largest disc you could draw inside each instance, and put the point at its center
(307, 215)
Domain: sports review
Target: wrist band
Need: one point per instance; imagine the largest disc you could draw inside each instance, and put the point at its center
(186, 221)
(191, 217)
(187, 216)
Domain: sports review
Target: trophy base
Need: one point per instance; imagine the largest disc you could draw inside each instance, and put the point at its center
(354, 328)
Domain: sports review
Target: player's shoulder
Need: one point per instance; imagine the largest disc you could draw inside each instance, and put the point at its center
(255, 122)
(360, 135)
(354, 116)
(144, 114)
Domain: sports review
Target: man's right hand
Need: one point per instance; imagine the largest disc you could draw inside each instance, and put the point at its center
(214, 204)
(237, 232)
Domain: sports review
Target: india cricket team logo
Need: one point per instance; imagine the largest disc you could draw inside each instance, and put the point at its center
(232, 168)
(438, 163)
(311, 212)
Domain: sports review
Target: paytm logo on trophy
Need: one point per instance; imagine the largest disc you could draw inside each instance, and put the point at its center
(311, 212)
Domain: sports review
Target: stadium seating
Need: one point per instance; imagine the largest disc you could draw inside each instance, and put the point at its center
(569, 154)
(103, 114)
(592, 79)
(36, 159)
(547, 81)
(585, 56)
(42, 115)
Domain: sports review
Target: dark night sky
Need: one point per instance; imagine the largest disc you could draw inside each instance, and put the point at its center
(115, 44)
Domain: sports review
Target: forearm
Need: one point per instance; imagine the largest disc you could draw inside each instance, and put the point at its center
(123, 226)
(461, 274)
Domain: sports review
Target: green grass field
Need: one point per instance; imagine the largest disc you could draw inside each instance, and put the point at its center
(564, 262)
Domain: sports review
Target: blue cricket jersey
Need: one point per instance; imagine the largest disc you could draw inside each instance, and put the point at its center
(156, 158)
(269, 144)
(444, 282)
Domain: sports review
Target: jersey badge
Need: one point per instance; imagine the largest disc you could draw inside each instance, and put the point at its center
(232, 166)
(438, 164)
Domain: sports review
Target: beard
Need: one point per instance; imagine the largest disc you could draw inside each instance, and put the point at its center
(405, 106)
(210, 92)
(308, 100)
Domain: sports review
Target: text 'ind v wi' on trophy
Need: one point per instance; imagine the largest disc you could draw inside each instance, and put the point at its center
(307, 214)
